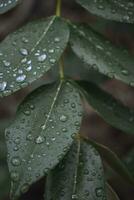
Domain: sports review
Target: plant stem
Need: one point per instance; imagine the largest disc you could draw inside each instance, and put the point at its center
(61, 62)
(58, 8)
(61, 68)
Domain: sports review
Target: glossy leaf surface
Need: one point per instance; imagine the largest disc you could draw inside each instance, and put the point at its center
(118, 10)
(41, 133)
(28, 53)
(102, 55)
(79, 176)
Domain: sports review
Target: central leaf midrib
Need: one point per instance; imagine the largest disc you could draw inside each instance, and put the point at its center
(77, 166)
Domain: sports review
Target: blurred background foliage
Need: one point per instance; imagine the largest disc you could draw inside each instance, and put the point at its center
(93, 126)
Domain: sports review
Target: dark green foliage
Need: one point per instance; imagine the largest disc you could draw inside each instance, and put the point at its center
(44, 139)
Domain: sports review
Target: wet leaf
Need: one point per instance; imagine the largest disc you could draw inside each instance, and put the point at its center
(41, 133)
(121, 10)
(113, 161)
(102, 55)
(28, 53)
(6, 5)
(111, 110)
(4, 174)
(129, 161)
(79, 176)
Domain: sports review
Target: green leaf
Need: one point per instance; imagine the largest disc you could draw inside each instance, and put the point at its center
(6, 5)
(30, 52)
(113, 160)
(41, 133)
(71, 61)
(111, 195)
(101, 55)
(4, 174)
(79, 176)
(129, 161)
(122, 11)
(110, 109)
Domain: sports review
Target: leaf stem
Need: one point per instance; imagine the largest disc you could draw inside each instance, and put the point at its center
(58, 8)
(61, 68)
(61, 62)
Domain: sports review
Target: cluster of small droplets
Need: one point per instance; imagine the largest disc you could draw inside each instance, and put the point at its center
(119, 10)
(26, 67)
(5, 3)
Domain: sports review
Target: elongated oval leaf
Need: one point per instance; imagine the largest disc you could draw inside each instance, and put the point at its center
(113, 160)
(111, 110)
(30, 52)
(6, 5)
(118, 10)
(101, 55)
(129, 161)
(79, 176)
(41, 133)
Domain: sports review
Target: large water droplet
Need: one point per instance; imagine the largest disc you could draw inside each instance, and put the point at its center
(16, 161)
(24, 52)
(63, 118)
(3, 86)
(39, 140)
(14, 176)
(21, 78)
(42, 58)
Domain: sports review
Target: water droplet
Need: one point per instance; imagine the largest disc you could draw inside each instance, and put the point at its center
(74, 196)
(6, 63)
(29, 137)
(63, 118)
(3, 86)
(64, 130)
(42, 58)
(99, 192)
(16, 161)
(57, 39)
(24, 52)
(21, 78)
(24, 188)
(14, 176)
(39, 140)
(124, 72)
(52, 60)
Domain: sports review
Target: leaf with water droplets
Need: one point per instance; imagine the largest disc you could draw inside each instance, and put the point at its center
(113, 160)
(4, 174)
(41, 133)
(79, 176)
(118, 10)
(101, 55)
(6, 5)
(111, 110)
(28, 53)
(129, 161)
